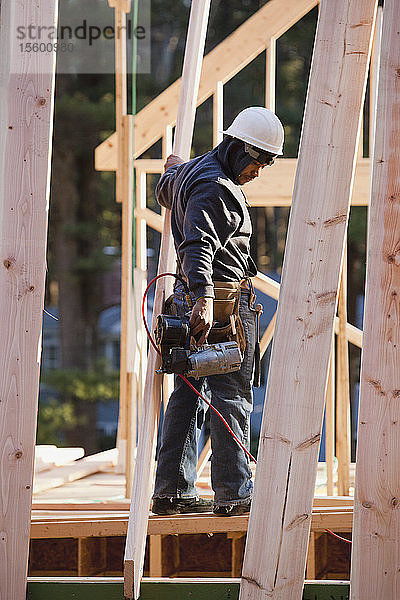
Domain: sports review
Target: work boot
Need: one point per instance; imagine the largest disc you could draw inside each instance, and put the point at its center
(231, 510)
(178, 506)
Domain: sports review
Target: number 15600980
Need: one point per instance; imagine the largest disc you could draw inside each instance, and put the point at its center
(29, 47)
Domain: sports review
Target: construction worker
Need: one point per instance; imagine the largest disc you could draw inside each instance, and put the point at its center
(211, 228)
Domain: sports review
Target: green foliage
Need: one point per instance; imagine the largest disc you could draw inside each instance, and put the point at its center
(54, 421)
(59, 417)
(94, 385)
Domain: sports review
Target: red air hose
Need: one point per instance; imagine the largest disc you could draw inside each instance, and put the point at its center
(181, 376)
(197, 392)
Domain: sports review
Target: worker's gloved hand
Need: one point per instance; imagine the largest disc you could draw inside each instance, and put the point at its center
(201, 319)
(173, 159)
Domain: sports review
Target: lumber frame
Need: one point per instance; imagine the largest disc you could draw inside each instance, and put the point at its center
(141, 494)
(375, 569)
(26, 123)
(220, 65)
(291, 429)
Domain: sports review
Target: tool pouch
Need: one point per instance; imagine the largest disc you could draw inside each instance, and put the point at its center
(228, 324)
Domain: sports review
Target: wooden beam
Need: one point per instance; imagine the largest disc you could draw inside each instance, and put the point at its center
(77, 524)
(122, 5)
(221, 64)
(47, 457)
(59, 476)
(374, 71)
(375, 566)
(141, 494)
(204, 457)
(268, 335)
(129, 348)
(291, 429)
(270, 74)
(126, 437)
(218, 113)
(26, 123)
(343, 419)
(330, 423)
(275, 185)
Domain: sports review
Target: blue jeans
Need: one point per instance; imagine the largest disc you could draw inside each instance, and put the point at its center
(232, 396)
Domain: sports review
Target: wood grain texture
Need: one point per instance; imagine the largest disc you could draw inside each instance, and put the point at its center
(59, 524)
(291, 429)
(26, 116)
(143, 478)
(343, 418)
(375, 559)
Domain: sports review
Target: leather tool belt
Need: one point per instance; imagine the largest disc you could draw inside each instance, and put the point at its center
(228, 324)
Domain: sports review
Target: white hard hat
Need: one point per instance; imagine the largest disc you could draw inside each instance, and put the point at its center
(259, 127)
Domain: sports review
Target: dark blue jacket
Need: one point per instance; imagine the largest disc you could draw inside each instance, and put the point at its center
(209, 218)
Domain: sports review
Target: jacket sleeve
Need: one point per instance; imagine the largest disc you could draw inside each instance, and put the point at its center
(210, 220)
(164, 187)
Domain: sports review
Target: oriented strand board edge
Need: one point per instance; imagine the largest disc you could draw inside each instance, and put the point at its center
(128, 578)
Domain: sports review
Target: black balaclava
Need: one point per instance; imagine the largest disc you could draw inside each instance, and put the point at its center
(231, 154)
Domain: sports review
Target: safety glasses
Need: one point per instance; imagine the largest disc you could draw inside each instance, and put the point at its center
(262, 157)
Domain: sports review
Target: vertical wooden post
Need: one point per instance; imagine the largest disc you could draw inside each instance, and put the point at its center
(129, 347)
(26, 123)
(168, 380)
(124, 195)
(140, 279)
(270, 70)
(373, 86)
(291, 429)
(142, 485)
(343, 434)
(376, 532)
(330, 423)
(218, 113)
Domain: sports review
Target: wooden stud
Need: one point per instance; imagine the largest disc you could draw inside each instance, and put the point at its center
(137, 529)
(374, 70)
(237, 553)
(311, 570)
(26, 123)
(270, 72)
(268, 335)
(127, 418)
(140, 283)
(140, 211)
(375, 565)
(156, 565)
(218, 113)
(129, 387)
(122, 5)
(124, 133)
(291, 429)
(343, 434)
(330, 423)
(204, 457)
(166, 144)
(92, 556)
